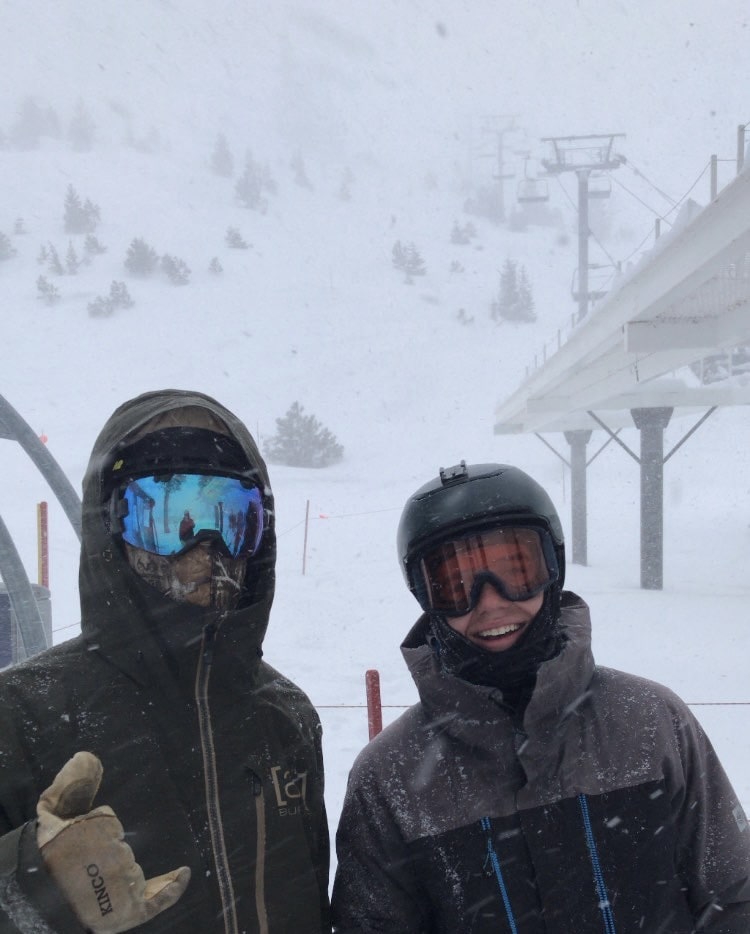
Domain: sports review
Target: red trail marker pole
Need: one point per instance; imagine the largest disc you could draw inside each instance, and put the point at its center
(374, 707)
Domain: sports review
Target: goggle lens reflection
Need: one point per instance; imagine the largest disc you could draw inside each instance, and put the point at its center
(164, 515)
(520, 561)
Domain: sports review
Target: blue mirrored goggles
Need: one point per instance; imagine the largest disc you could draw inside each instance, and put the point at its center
(169, 514)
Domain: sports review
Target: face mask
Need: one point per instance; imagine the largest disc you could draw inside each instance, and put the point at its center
(200, 576)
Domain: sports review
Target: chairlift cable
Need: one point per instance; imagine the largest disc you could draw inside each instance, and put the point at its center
(637, 171)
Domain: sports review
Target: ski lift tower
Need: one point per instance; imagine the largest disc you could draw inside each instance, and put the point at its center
(498, 125)
(583, 155)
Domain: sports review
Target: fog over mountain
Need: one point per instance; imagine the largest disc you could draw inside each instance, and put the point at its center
(369, 124)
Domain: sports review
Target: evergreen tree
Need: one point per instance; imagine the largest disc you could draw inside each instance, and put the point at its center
(81, 130)
(300, 174)
(42, 255)
(215, 267)
(141, 259)
(55, 266)
(119, 296)
(222, 162)
(92, 213)
(234, 239)
(47, 292)
(414, 263)
(6, 247)
(92, 246)
(19, 227)
(250, 186)
(398, 255)
(514, 301)
(525, 297)
(408, 259)
(101, 307)
(71, 260)
(79, 217)
(301, 441)
(177, 270)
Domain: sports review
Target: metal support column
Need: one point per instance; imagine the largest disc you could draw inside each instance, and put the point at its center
(583, 244)
(651, 423)
(578, 440)
(22, 600)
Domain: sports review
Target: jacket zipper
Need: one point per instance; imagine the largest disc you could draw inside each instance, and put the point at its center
(215, 825)
(260, 856)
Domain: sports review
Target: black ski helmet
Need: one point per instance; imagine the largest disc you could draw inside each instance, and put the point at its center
(463, 498)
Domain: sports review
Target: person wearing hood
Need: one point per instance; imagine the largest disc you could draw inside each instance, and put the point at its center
(204, 761)
(529, 791)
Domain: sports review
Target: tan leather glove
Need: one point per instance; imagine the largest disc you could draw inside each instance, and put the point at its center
(84, 852)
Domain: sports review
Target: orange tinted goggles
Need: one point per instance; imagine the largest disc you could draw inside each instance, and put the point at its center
(519, 561)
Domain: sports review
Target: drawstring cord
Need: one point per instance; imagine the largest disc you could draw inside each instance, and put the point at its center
(495, 862)
(601, 889)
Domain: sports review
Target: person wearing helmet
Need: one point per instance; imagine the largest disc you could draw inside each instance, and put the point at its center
(530, 790)
(204, 761)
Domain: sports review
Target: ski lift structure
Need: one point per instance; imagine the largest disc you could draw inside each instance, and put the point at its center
(531, 189)
(600, 277)
(600, 185)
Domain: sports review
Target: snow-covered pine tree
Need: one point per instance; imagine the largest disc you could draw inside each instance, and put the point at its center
(300, 173)
(222, 161)
(141, 259)
(72, 262)
(119, 296)
(79, 217)
(514, 301)
(525, 297)
(234, 239)
(55, 266)
(301, 441)
(81, 129)
(6, 247)
(249, 187)
(92, 246)
(398, 255)
(176, 270)
(47, 292)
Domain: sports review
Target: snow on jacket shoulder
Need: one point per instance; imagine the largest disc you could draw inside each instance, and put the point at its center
(609, 811)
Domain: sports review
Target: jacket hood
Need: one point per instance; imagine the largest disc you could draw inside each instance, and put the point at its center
(121, 615)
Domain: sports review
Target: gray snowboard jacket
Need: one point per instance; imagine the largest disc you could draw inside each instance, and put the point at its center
(606, 811)
(212, 759)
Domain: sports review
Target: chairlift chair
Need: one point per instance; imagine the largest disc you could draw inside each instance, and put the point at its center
(600, 185)
(532, 190)
(600, 277)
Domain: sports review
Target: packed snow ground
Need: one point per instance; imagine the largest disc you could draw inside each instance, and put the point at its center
(314, 312)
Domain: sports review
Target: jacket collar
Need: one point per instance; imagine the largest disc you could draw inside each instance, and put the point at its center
(475, 714)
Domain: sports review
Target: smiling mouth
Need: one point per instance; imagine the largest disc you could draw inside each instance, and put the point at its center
(499, 631)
